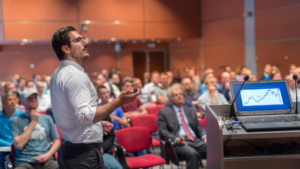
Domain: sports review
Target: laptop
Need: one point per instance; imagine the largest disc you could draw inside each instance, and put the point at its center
(264, 105)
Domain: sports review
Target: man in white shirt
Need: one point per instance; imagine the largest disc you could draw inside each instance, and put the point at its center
(43, 99)
(153, 85)
(291, 84)
(74, 105)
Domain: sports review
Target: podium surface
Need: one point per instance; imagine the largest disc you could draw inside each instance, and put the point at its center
(241, 141)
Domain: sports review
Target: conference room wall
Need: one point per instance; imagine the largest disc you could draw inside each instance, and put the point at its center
(16, 59)
(137, 19)
(277, 33)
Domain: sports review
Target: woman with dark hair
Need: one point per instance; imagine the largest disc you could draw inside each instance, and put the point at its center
(112, 71)
(116, 79)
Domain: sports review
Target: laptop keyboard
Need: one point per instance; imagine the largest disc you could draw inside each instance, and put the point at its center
(269, 119)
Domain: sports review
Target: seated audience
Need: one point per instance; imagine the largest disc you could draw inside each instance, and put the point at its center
(47, 87)
(211, 97)
(9, 86)
(170, 77)
(292, 69)
(112, 71)
(9, 103)
(180, 125)
(297, 72)
(203, 87)
(232, 76)
(146, 78)
(131, 109)
(228, 68)
(177, 78)
(275, 67)
(225, 85)
(207, 71)
(276, 75)
(21, 85)
(188, 92)
(144, 96)
(110, 162)
(221, 70)
(242, 73)
(43, 99)
(195, 79)
(153, 85)
(113, 89)
(267, 73)
(252, 78)
(186, 101)
(29, 84)
(32, 135)
(161, 92)
(105, 73)
(117, 117)
(116, 80)
(291, 84)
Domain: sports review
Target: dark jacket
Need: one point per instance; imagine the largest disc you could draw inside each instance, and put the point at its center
(108, 140)
(168, 125)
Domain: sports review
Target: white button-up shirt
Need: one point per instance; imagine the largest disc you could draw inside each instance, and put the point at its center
(73, 98)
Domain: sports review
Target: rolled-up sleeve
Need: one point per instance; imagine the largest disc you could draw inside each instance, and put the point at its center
(78, 89)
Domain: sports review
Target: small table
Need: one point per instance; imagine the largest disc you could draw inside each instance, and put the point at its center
(5, 149)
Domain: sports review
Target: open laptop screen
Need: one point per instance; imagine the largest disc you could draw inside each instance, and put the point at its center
(267, 96)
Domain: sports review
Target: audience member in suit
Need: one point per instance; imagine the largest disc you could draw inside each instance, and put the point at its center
(108, 141)
(225, 85)
(180, 125)
(267, 72)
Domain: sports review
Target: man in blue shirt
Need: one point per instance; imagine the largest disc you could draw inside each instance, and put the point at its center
(9, 103)
(180, 124)
(117, 116)
(32, 135)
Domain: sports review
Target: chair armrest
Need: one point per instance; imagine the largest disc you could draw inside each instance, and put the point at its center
(8, 163)
(168, 152)
(120, 151)
(160, 140)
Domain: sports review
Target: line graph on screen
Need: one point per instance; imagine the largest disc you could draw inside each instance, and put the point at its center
(260, 97)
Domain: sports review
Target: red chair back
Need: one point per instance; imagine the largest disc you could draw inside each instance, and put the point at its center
(148, 121)
(203, 122)
(154, 109)
(42, 112)
(59, 133)
(133, 139)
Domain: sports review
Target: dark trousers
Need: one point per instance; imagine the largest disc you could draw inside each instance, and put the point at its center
(50, 164)
(192, 152)
(80, 158)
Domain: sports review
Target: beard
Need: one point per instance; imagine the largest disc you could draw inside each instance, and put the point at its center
(81, 56)
(32, 107)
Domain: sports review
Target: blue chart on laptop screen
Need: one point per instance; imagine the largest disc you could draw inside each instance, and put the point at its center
(262, 96)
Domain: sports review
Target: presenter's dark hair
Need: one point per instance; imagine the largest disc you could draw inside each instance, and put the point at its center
(61, 37)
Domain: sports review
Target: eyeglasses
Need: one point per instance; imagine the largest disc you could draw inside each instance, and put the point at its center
(79, 39)
(104, 93)
(175, 95)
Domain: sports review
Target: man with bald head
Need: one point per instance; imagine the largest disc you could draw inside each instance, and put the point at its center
(211, 97)
(224, 88)
(291, 84)
(44, 100)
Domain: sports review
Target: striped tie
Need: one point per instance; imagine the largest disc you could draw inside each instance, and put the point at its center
(185, 127)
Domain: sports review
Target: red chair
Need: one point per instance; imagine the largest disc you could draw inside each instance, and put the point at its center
(203, 122)
(148, 121)
(135, 139)
(42, 112)
(154, 109)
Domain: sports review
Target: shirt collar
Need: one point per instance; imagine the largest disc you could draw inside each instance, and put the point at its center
(177, 109)
(72, 63)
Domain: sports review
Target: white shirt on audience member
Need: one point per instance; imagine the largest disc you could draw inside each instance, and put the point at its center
(150, 88)
(293, 94)
(74, 102)
(44, 102)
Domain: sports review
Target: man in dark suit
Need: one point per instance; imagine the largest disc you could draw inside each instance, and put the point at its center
(180, 125)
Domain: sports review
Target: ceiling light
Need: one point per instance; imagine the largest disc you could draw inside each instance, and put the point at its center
(117, 22)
